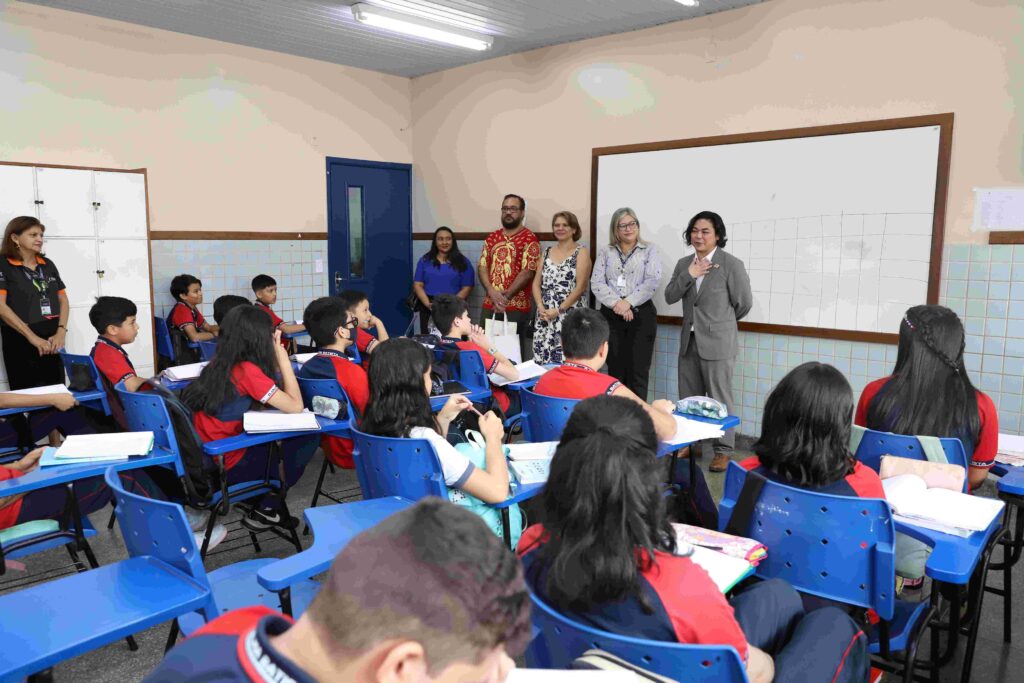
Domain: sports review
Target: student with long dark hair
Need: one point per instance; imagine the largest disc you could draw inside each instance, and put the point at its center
(399, 407)
(442, 270)
(805, 435)
(929, 392)
(241, 378)
(606, 557)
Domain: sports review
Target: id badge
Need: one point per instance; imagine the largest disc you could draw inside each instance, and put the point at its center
(44, 306)
(621, 282)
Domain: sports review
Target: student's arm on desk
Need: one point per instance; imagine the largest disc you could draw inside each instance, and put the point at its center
(195, 335)
(291, 328)
(288, 399)
(134, 382)
(58, 401)
(16, 469)
(660, 412)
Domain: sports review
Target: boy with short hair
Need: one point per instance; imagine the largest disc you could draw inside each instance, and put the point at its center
(451, 315)
(430, 593)
(187, 291)
(114, 320)
(333, 329)
(358, 306)
(265, 289)
(225, 303)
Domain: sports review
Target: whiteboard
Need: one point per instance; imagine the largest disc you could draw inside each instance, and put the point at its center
(835, 230)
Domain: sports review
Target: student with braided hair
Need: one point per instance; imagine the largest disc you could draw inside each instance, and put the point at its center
(929, 392)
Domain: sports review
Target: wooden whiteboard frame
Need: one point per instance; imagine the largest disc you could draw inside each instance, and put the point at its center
(943, 121)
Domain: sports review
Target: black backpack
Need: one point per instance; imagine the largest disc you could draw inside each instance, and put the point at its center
(200, 473)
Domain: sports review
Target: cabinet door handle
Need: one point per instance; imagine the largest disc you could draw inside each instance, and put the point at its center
(39, 201)
(96, 205)
(101, 273)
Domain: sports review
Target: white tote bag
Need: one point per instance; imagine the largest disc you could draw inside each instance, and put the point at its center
(502, 334)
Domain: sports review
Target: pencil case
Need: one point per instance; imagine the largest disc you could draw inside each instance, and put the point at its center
(704, 406)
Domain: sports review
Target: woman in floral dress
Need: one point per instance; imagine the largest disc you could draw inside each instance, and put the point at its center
(558, 286)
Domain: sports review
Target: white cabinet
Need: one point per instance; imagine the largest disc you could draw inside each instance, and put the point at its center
(97, 235)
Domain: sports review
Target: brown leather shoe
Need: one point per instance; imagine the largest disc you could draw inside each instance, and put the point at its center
(720, 462)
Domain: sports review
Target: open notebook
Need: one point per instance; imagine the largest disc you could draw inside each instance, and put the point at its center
(183, 372)
(263, 421)
(531, 462)
(527, 370)
(1010, 450)
(726, 571)
(943, 510)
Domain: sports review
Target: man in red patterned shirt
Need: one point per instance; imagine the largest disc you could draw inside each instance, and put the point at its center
(506, 269)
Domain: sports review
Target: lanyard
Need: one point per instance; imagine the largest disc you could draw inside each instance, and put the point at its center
(37, 278)
(624, 261)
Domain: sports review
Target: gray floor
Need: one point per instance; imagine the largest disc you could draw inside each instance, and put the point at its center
(994, 661)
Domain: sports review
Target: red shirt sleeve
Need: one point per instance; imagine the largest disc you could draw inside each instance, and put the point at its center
(112, 364)
(751, 463)
(353, 380)
(865, 482)
(250, 381)
(365, 341)
(490, 362)
(985, 451)
(532, 537)
(866, 396)
(181, 316)
(9, 514)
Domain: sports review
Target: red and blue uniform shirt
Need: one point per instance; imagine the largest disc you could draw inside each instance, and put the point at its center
(252, 387)
(112, 360)
(574, 380)
(275, 319)
(183, 315)
(333, 365)
(863, 482)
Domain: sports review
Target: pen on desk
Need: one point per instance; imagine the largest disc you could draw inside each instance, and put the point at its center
(709, 547)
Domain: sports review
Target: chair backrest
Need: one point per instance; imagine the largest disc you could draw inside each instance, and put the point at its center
(164, 347)
(875, 444)
(468, 367)
(327, 388)
(80, 365)
(560, 640)
(207, 349)
(158, 529)
(544, 417)
(145, 412)
(407, 468)
(835, 547)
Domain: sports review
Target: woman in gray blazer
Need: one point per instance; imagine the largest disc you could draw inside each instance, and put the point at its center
(715, 290)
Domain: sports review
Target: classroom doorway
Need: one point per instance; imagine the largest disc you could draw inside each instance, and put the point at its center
(369, 235)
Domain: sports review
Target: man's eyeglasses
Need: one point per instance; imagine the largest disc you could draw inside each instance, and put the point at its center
(632, 225)
(510, 209)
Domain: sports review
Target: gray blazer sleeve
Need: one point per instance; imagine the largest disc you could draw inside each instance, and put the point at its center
(681, 281)
(740, 295)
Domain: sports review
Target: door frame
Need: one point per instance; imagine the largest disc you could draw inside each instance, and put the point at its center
(360, 163)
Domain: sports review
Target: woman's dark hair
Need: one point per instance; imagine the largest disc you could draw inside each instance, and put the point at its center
(603, 507)
(17, 226)
(929, 393)
(455, 257)
(715, 220)
(805, 431)
(246, 335)
(398, 399)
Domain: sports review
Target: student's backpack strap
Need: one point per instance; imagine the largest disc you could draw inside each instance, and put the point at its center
(743, 511)
(931, 446)
(856, 436)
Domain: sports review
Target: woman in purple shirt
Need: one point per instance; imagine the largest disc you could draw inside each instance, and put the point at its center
(442, 270)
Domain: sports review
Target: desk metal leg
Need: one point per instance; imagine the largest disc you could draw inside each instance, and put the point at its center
(977, 589)
(506, 531)
(286, 601)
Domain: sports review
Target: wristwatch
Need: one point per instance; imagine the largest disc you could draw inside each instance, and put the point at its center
(492, 350)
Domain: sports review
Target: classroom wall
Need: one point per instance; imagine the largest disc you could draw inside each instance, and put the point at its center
(234, 138)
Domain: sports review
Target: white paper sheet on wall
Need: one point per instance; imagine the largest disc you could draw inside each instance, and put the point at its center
(998, 208)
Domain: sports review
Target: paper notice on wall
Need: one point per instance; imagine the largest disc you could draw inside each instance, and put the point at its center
(998, 208)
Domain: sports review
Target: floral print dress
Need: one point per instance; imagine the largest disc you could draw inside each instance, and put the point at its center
(556, 284)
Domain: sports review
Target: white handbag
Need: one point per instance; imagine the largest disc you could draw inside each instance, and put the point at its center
(502, 334)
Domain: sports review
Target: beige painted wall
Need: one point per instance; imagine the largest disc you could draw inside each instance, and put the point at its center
(234, 138)
(526, 123)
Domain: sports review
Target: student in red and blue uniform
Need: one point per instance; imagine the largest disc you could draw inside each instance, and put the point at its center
(264, 288)
(451, 316)
(929, 392)
(114, 320)
(332, 328)
(185, 317)
(358, 306)
(605, 556)
(240, 378)
(391, 609)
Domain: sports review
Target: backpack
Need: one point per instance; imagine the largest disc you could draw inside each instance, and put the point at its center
(200, 472)
(475, 453)
(183, 353)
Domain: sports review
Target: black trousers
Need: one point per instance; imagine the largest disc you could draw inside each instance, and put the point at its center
(631, 346)
(424, 315)
(25, 367)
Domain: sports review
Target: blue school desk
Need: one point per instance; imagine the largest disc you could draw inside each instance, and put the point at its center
(1010, 488)
(333, 527)
(92, 399)
(245, 440)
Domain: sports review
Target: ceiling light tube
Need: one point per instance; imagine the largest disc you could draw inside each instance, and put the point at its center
(421, 28)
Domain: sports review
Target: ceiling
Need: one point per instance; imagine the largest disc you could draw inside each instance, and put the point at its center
(326, 31)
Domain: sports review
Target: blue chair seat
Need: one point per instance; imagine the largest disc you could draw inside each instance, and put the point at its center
(236, 586)
(905, 616)
(45, 624)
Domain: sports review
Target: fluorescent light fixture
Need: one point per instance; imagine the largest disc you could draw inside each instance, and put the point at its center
(421, 28)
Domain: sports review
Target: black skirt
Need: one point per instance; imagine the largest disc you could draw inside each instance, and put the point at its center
(25, 367)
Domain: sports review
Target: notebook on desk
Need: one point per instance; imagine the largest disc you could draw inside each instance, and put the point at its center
(264, 421)
(179, 373)
(1010, 451)
(939, 509)
(528, 369)
(38, 391)
(82, 448)
(692, 431)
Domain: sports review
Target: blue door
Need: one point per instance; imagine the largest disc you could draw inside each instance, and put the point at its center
(369, 235)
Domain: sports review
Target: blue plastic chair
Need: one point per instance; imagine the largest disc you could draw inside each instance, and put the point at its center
(559, 640)
(157, 529)
(328, 388)
(164, 346)
(407, 468)
(875, 444)
(840, 548)
(72, 361)
(468, 369)
(544, 417)
(145, 412)
(207, 349)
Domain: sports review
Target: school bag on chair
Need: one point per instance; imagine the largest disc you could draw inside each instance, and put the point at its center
(474, 450)
(199, 470)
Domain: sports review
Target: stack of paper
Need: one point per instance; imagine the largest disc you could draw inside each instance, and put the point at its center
(540, 450)
(37, 391)
(262, 421)
(943, 510)
(302, 358)
(179, 373)
(1010, 450)
(81, 448)
(726, 571)
(692, 431)
(527, 370)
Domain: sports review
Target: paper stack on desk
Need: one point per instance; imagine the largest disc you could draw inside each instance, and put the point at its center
(302, 358)
(531, 462)
(527, 370)
(1010, 451)
(263, 421)
(37, 391)
(692, 431)
(82, 448)
(179, 373)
